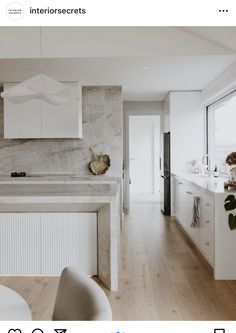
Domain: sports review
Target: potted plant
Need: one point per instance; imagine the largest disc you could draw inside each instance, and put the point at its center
(231, 161)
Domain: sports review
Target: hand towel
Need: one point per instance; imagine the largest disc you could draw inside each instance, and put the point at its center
(196, 213)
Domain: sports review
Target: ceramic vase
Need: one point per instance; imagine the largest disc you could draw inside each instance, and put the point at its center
(233, 173)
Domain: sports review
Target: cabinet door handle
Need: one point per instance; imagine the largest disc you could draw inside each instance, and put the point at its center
(207, 243)
(207, 221)
(188, 192)
(207, 204)
(180, 183)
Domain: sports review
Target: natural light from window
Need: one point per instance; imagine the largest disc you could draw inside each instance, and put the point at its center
(222, 132)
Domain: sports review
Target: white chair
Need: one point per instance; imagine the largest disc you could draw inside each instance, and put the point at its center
(80, 298)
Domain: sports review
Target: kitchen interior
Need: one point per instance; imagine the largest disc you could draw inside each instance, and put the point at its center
(117, 158)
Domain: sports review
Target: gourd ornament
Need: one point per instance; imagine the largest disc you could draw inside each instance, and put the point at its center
(99, 163)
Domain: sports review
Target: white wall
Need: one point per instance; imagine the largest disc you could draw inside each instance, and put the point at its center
(187, 127)
(144, 144)
(143, 108)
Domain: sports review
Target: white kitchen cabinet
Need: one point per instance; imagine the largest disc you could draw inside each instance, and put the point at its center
(206, 244)
(216, 236)
(207, 220)
(207, 204)
(69, 239)
(189, 201)
(203, 236)
(187, 128)
(178, 197)
(45, 243)
(22, 120)
(20, 244)
(184, 199)
(39, 119)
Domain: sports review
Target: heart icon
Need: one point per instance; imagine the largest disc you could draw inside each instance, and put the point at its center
(14, 330)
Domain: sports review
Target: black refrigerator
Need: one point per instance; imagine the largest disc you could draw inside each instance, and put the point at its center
(165, 174)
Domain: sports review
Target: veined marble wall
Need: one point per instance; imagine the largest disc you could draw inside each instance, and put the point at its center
(102, 131)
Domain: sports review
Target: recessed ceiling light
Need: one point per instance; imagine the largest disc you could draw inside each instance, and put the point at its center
(146, 68)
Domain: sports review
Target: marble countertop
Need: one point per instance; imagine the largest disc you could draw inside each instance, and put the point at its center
(59, 179)
(54, 197)
(58, 190)
(211, 184)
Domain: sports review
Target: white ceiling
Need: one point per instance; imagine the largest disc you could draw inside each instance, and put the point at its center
(142, 78)
(147, 62)
(223, 36)
(73, 42)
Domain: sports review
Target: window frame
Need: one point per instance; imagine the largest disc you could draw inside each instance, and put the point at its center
(208, 130)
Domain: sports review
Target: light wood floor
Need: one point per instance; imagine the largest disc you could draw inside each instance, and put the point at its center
(162, 276)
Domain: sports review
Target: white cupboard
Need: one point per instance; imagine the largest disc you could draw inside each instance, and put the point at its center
(20, 244)
(184, 117)
(39, 119)
(69, 239)
(203, 236)
(45, 243)
(215, 237)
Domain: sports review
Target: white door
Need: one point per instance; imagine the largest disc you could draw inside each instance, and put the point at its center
(144, 133)
(20, 244)
(69, 239)
(65, 120)
(39, 119)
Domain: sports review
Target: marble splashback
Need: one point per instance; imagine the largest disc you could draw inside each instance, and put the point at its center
(102, 131)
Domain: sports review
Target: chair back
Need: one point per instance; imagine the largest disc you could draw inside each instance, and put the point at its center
(80, 298)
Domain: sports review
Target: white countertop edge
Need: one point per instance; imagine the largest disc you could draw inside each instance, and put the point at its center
(214, 185)
(70, 182)
(56, 199)
(60, 179)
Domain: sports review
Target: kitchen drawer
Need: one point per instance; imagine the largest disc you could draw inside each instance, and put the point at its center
(207, 203)
(194, 234)
(207, 221)
(207, 245)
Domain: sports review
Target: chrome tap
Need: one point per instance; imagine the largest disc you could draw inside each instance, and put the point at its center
(206, 161)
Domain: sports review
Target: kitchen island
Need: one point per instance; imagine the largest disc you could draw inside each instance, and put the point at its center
(215, 235)
(48, 224)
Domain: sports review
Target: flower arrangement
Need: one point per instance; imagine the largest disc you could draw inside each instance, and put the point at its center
(195, 166)
(231, 158)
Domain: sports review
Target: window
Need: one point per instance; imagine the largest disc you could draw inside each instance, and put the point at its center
(221, 128)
